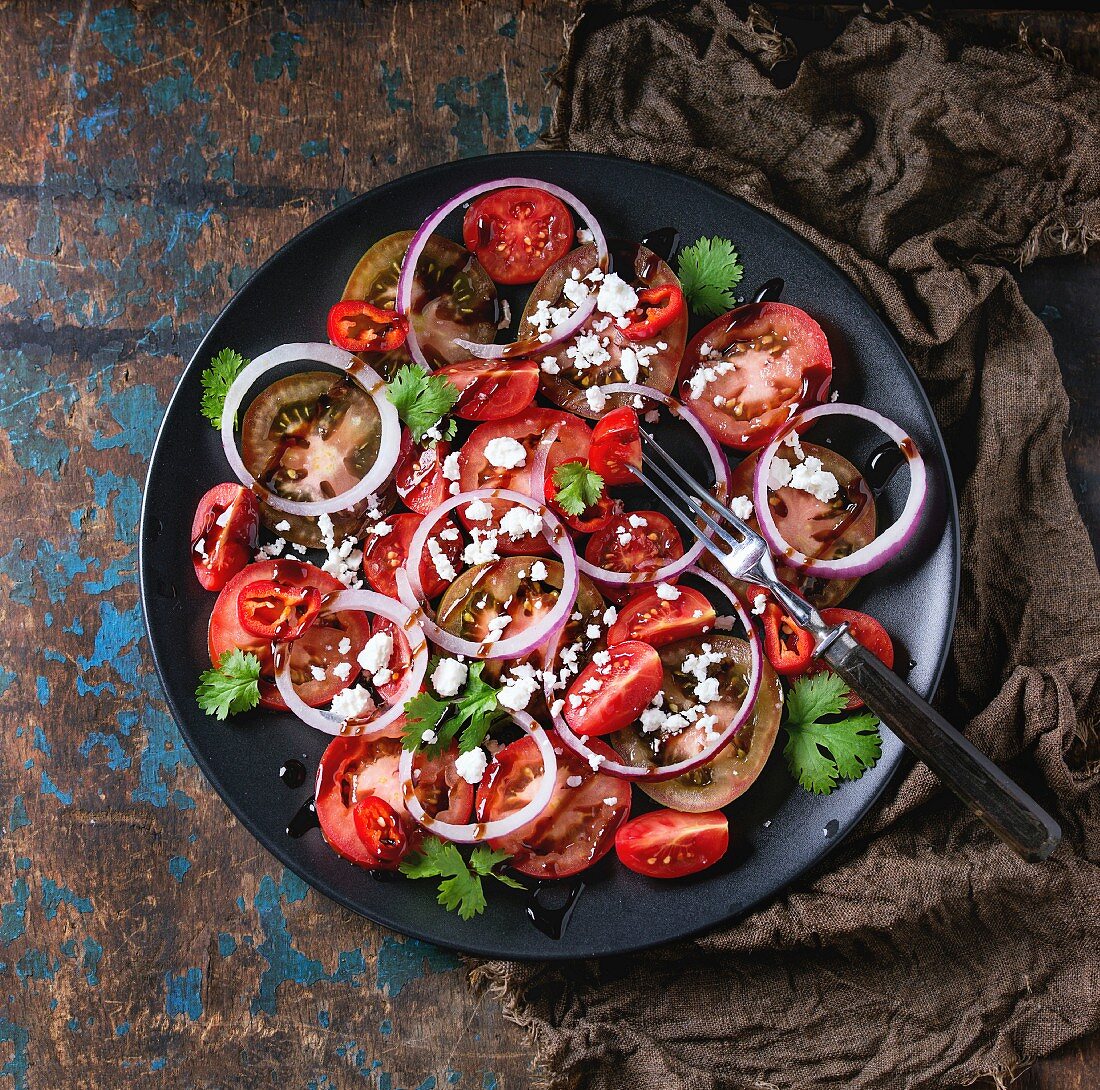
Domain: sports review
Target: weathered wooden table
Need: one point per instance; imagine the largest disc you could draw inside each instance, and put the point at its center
(152, 157)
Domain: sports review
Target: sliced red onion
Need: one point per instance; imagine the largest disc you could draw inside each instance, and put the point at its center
(721, 476)
(884, 547)
(536, 479)
(411, 591)
(476, 832)
(654, 773)
(315, 352)
(559, 333)
(378, 605)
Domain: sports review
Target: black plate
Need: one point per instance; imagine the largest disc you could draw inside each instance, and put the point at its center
(785, 830)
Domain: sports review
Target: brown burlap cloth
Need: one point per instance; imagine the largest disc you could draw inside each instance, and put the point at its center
(924, 953)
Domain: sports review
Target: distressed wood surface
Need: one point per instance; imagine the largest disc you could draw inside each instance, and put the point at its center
(151, 156)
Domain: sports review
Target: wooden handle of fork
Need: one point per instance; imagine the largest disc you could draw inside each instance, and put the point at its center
(1000, 802)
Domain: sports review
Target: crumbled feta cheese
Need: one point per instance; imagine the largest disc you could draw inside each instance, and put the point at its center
(584, 236)
(652, 416)
(652, 720)
(794, 441)
(518, 687)
(283, 526)
(504, 452)
(539, 571)
(351, 703)
(318, 673)
(265, 552)
(479, 511)
(449, 676)
(471, 766)
(375, 655)
(707, 690)
(600, 324)
(586, 351)
(429, 737)
(443, 566)
(380, 529)
(482, 549)
(724, 624)
(637, 522)
(810, 476)
(451, 472)
(344, 646)
(779, 474)
(550, 365)
(624, 538)
(519, 522)
(575, 290)
(574, 781)
(496, 626)
(759, 604)
(341, 670)
(616, 297)
(592, 632)
(628, 364)
(667, 592)
(448, 533)
(610, 615)
(741, 506)
(595, 760)
(596, 398)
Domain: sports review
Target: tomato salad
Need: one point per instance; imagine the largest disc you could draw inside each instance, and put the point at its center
(462, 582)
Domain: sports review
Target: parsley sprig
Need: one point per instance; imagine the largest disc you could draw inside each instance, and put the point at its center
(822, 749)
(232, 687)
(709, 270)
(578, 487)
(216, 380)
(422, 401)
(461, 890)
(469, 715)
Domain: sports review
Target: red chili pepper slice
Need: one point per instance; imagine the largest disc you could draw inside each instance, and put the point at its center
(788, 647)
(358, 326)
(379, 828)
(277, 611)
(657, 307)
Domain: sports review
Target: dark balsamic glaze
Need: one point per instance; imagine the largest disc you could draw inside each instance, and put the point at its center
(664, 242)
(884, 462)
(770, 291)
(293, 773)
(832, 827)
(304, 820)
(550, 904)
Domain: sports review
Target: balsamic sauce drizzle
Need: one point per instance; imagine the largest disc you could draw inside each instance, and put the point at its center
(553, 918)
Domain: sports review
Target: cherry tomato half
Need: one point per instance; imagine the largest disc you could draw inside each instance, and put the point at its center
(649, 542)
(224, 533)
(379, 828)
(656, 620)
(657, 308)
(418, 475)
(383, 554)
(604, 699)
(517, 233)
(358, 326)
(276, 611)
(590, 519)
(616, 446)
(492, 389)
(670, 844)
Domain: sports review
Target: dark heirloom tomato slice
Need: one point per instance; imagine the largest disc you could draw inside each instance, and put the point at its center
(607, 698)
(616, 445)
(275, 611)
(622, 547)
(309, 437)
(452, 297)
(672, 844)
(656, 620)
(576, 829)
(476, 471)
(354, 768)
(517, 233)
(223, 534)
(766, 362)
(591, 519)
(400, 658)
(384, 554)
(418, 475)
(822, 530)
(641, 268)
(358, 326)
(492, 389)
(318, 647)
(866, 631)
(734, 770)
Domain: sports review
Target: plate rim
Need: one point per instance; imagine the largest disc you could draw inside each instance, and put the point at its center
(902, 761)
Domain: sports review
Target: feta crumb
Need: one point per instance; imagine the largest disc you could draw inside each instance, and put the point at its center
(779, 474)
(443, 566)
(574, 781)
(520, 521)
(628, 364)
(707, 690)
(759, 604)
(741, 506)
(595, 760)
(794, 441)
(584, 236)
(482, 549)
(616, 297)
(283, 526)
(344, 646)
(667, 592)
(479, 511)
(318, 673)
(341, 670)
(518, 687)
(637, 522)
(351, 703)
(375, 656)
(504, 452)
(471, 766)
(449, 676)
(556, 708)
(592, 632)
(596, 398)
(539, 571)
(610, 615)
(810, 476)
(451, 472)
(574, 289)
(429, 737)
(550, 365)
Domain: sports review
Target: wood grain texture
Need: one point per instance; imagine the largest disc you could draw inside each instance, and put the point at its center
(151, 157)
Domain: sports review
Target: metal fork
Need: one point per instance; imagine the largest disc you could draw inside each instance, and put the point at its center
(1000, 802)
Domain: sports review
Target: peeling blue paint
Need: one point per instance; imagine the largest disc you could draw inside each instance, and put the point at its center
(282, 58)
(6, 677)
(170, 92)
(93, 955)
(48, 787)
(18, 814)
(489, 110)
(116, 27)
(226, 944)
(16, 1067)
(401, 961)
(391, 84)
(40, 742)
(312, 148)
(183, 994)
(178, 867)
(508, 30)
(13, 913)
(54, 896)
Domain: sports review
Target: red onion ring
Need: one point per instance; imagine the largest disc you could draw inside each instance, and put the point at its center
(656, 773)
(380, 605)
(475, 833)
(721, 476)
(372, 383)
(411, 592)
(884, 547)
(495, 351)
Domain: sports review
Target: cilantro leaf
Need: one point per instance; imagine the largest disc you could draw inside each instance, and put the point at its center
(484, 860)
(578, 487)
(476, 709)
(424, 713)
(216, 380)
(469, 715)
(422, 401)
(709, 270)
(232, 687)
(821, 749)
(460, 890)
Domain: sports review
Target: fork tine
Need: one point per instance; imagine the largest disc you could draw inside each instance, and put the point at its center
(715, 551)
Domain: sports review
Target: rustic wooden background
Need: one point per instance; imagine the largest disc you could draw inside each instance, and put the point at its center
(150, 157)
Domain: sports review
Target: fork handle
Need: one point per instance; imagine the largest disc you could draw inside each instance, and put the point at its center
(1000, 802)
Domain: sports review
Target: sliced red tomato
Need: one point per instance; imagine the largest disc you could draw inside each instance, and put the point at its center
(224, 534)
(418, 475)
(319, 646)
(517, 233)
(672, 844)
(379, 828)
(788, 647)
(616, 446)
(749, 371)
(354, 768)
(383, 554)
(622, 546)
(866, 631)
(657, 309)
(275, 611)
(576, 829)
(358, 326)
(590, 519)
(492, 389)
(528, 429)
(656, 620)
(400, 658)
(604, 698)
